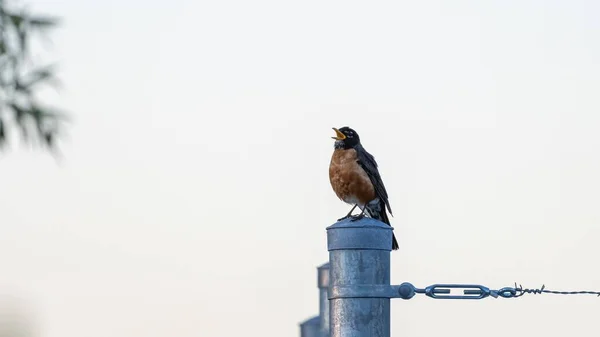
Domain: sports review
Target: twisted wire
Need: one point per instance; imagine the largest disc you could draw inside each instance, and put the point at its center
(520, 291)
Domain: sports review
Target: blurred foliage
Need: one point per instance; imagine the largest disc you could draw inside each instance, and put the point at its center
(20, 110)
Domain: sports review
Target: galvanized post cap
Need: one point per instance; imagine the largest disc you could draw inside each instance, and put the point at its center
(310, 327)
(323, 276)
(366, 233)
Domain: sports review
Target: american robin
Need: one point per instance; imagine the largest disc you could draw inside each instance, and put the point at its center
(355, 179)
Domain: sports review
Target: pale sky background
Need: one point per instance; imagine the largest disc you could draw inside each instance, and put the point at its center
(194, 193)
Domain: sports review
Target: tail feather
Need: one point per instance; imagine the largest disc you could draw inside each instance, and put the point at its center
(377, 211)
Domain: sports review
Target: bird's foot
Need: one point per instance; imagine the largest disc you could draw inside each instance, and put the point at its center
(357, 217)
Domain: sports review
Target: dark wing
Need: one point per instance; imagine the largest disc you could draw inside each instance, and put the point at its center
(368, 163)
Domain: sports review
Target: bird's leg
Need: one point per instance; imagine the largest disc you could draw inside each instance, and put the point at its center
(347, 215)
(359, 216)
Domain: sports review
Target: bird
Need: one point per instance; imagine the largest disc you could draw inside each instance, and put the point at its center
(355, 179)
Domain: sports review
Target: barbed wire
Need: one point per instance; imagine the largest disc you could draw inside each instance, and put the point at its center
(520, 291)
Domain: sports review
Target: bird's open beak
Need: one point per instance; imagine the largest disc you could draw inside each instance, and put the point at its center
(338, 135)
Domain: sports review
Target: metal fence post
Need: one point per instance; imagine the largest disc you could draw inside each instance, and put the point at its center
(323, 284)
(318, 326)
(310, 327)
(359, 257)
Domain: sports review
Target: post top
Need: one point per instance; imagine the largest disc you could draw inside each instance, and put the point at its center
(362, 223)
(323, 276)
(366, 234)
(323, 266)
(311, 321)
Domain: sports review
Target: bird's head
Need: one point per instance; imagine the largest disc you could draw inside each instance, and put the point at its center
(345, 138)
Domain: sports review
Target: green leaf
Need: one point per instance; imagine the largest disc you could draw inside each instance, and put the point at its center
(43, 22)
(16, 19)
(49, 138)
(35, 77)
(19, 24)
(20, 112)
(2, 132)
(21, 88)
(23, 34)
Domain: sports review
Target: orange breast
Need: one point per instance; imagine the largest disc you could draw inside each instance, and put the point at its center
(348, 180)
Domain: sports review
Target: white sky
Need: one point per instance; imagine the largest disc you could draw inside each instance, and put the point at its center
(194, 194)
